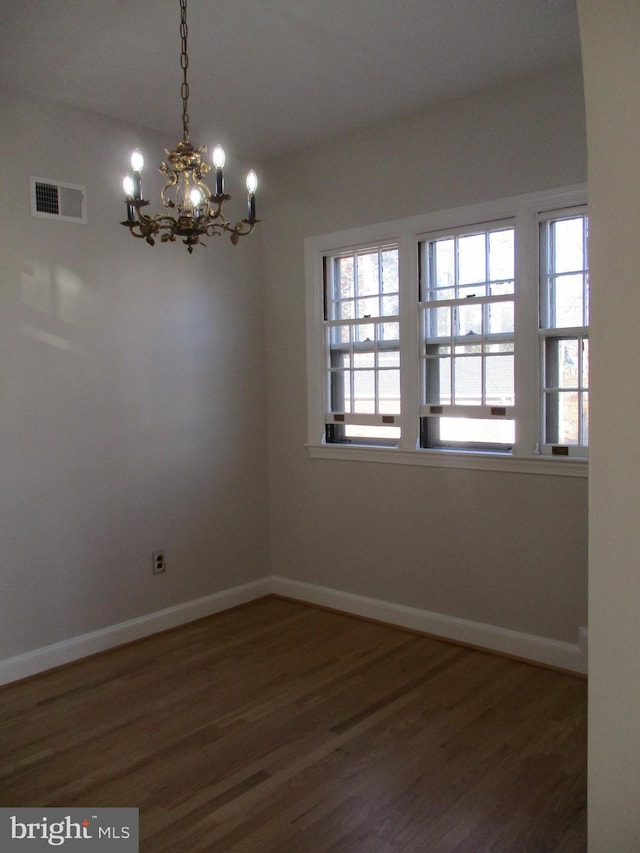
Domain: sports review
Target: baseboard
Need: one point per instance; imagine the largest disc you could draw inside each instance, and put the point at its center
(540, 650)
(66, 651)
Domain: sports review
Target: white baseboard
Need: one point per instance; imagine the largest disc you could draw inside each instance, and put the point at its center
(66, 651)
(526, 646)
(529, 647)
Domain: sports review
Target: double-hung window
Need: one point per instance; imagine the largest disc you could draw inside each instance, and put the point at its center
(564, 331)
(455, 338)
(466, 308)
(362, 346)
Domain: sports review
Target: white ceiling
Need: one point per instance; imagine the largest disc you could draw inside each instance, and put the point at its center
(269, 76)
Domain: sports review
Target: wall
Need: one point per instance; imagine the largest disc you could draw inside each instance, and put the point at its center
(506, 550)
(610, 36)
(123, 428)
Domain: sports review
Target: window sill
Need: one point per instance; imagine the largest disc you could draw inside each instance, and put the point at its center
(500, 462)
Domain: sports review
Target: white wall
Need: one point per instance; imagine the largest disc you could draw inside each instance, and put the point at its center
(131, 395)
(610, 36)
(507, 550)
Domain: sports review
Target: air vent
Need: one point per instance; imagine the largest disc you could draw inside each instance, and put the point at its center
(54, 200)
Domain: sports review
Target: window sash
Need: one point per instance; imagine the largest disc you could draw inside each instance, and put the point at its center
(565, 390)
(564, 331)
(362, 345)
(467, 326)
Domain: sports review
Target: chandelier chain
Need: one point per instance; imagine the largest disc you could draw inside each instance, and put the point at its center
(184, 64)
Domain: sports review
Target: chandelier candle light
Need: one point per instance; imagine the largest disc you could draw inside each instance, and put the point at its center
(198, 211)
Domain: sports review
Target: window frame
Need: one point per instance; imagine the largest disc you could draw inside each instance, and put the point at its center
(431, 411)
(548, 333)
(526, 456)
(338, 419)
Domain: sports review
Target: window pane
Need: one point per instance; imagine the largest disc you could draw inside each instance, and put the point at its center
(477, 431)
(344, 278)
(340, 334)
(364, 332)
(390, 305)
(501, 255)
(364, 391)
(568, 364)
(500, 318)
(471, 259)
(390, 271)
(563, 417)
(368, 274)
(389, 392)
(339, 358)
(443, 263)
(438, 381)
(499, 381)
(388, 331)
(562, 364)
(363, 359)
(566, 305)
(438, 322)
(380, 432)
(389, 358)
(569, 245)
(468, 381)
(468, 291)
(501, 288)
(368, 307)
(346, 310)
(443, 293)
(470, 320)
(340, 391)
(503, 346)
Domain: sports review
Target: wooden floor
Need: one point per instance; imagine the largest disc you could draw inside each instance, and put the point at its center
(281, 727)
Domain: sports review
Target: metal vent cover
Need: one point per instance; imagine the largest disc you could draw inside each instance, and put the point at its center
(52, 199)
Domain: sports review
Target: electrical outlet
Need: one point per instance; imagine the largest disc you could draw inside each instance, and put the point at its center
(159, 562)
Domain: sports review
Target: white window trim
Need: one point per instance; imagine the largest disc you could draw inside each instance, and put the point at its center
(408, 233)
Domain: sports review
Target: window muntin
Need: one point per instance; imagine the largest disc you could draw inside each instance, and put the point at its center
(564, 331)
(467, 330)
(362, 345)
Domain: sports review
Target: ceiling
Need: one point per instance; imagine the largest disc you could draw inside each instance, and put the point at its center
(271, 76)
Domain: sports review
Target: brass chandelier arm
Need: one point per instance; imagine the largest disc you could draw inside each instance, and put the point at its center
(242, 228)
(190, 230)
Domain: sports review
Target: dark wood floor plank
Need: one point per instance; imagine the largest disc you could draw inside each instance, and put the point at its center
(281, 727)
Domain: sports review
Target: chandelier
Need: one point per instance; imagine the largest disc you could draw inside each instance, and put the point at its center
(193, 211)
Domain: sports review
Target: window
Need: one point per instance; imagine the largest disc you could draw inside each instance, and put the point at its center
(362, 304)
(564, 330)
(456, 338)
(467, 325)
